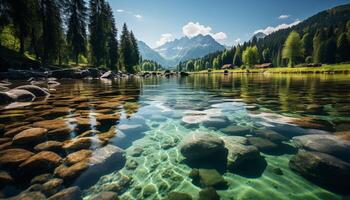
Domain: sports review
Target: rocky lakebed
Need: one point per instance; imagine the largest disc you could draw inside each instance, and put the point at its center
(174, 138)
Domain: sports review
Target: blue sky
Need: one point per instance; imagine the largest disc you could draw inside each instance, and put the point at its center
(228, 21)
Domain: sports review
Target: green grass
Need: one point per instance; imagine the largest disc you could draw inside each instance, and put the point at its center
(336, 68)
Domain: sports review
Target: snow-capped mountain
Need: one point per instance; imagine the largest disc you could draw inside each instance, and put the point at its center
(171, 53)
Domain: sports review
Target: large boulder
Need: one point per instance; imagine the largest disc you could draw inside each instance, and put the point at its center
(329, 144)
(240, 154)
(37, 91)
(236, 130)
(29, 196)
(202, 146)
(30, 136)
(21, 95)
(14, 157)
(322, 169)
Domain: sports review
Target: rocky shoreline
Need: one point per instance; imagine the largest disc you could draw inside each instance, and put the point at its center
(78, 73)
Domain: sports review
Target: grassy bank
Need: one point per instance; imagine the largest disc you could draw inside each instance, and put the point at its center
(338, 68)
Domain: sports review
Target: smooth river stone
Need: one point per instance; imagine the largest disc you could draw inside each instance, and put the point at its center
(325, 143)
(30, 136)
(14, 156)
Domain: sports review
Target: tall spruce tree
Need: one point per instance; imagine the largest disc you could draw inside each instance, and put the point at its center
(112, 40)
(135, 55)
(98, 32)
(76, 35)
(52, 29)
(125, 51)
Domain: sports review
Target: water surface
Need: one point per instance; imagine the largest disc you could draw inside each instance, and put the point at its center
(157, 113)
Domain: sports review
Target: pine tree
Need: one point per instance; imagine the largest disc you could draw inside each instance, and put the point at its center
(112, 41)
(125, 51)
(135, 54)
(98, 32)
(76, 35)
(343, 48)
(52, 29)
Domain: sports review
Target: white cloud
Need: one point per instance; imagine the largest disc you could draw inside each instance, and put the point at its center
(138, 16)
(238, 40)
(120, 10)
(220, 36)
(283, 16)
(192, 29)
(268, 30)
(164, 38)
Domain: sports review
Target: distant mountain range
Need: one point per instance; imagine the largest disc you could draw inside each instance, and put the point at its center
(171, 53)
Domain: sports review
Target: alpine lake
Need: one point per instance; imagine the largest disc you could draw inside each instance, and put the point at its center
(233, 137)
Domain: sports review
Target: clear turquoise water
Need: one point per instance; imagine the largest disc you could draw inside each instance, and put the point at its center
(169, 110)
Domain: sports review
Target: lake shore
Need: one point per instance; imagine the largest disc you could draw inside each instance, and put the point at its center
(325, 69)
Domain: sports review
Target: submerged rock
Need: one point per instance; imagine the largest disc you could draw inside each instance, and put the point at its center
(14, 157)
(149, 190)
(41, 179)
(37, 91)
(72, 193)
(239, 154)
(52, 186)
(236, 130)
(322, 169)
(105, 196)
(5, 178)
(51, 124)
(49, 146)
(30, 136)
(208, 194)
(202, 146)
(271, 135)
(208, 178)
(178, 196)
(263, 144)
(21, 95)
(82, 143)
(29, 196)
(329, 144)
(78, 156)
(42, 160)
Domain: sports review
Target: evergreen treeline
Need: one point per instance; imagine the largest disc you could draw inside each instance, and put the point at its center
(322, 38)
(55, 32)
(150, 65)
